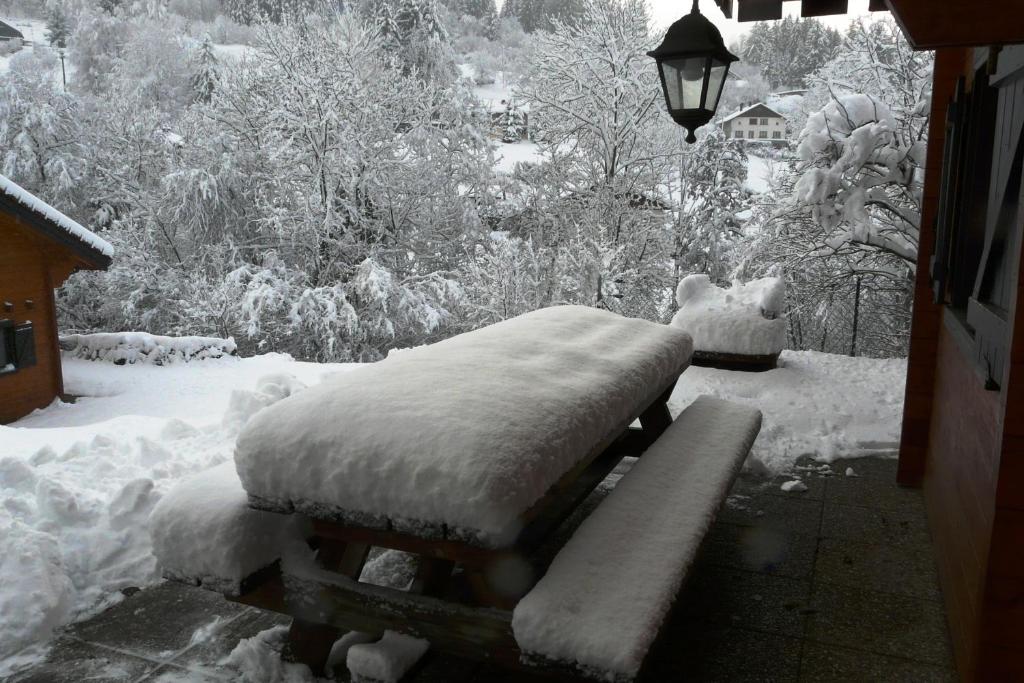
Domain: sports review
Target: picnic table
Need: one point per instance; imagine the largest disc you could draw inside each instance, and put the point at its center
(470, 454)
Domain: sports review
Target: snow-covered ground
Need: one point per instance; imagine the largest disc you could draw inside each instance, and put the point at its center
(78, 481)
(759, 173)
(507, 155)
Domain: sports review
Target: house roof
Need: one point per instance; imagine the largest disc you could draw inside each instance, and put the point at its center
(758, 109)
(8, 31)
(51, 223)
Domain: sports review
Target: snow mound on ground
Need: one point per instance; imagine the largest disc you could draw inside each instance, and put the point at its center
(258, 660)
(817, 404)
(35, 592)
(744, 319)
(140, 347)
(204, 531)
(385, 661)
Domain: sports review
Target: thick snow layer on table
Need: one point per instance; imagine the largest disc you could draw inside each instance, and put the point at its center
(386, 660)
(204, 531)
(36, 205)
(141, 347)
(603, 599)
(744, 319)
(78, 482)
(815, 404)
(468, 432)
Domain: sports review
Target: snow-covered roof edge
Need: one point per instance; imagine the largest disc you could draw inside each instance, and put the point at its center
(101, 250)
(741, 112)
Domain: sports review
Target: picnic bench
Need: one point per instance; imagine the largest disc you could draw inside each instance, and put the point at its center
(507, 430)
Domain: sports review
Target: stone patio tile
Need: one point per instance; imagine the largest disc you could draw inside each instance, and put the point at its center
(790, 513)
(873, 492)
(694, 651)
(905, 528)
(876, 567)
(841, 665)
(764, 549)
(875, 468)
(224, 637)
(158, 622)
(755, 486)
(72, 661)
(900, 626)
(762, 602)
(444, 668)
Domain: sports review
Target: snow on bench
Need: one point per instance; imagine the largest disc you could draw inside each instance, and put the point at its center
(468, 432)
(609, 590)
(742, 321)
(205, 533)
(141, 347)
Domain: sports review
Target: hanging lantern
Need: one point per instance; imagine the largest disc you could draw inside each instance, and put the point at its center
(693, 63)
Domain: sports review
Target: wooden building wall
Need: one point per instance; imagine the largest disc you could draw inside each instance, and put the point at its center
(29, 270)
(964, 442)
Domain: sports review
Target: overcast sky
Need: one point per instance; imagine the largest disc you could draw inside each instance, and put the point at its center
(665, 12)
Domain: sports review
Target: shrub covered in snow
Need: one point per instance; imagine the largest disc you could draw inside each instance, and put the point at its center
(744, 319)
(140, 347)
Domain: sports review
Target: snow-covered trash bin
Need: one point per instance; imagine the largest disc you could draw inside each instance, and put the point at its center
(739, 328)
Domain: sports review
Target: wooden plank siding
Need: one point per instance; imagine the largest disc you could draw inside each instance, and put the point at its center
(29, 270)
(925, 326)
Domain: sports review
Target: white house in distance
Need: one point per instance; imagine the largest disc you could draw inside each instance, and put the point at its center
(756, 123)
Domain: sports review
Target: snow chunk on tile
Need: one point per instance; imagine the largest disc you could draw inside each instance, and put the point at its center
(387, 660)
(793, 486)
(468, 432)
(258, 659)
(141, 347)
(38, 206)
(204, 531)
(744, 319)
(609, 589)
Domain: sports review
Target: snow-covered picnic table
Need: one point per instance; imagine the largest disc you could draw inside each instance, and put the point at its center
(469, 454)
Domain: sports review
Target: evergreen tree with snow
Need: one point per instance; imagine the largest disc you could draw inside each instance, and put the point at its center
(204, 80)
(513, 123)
(57, 29)
(788, 51)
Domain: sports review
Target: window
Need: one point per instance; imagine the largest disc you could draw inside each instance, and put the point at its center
(776, 135)
(753, 122)
(17, 346)
(762, 134)
(750, 134)
(738, 134)
(764, 122)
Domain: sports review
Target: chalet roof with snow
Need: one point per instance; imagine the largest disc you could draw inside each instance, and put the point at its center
(39, 216)
(759, 110)
(8, 32)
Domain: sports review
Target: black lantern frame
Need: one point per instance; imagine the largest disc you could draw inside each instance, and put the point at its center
(693, 64)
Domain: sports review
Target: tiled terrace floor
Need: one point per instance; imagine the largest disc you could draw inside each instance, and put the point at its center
(833, 584)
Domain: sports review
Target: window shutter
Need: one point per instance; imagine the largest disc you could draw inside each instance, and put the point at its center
(24, 346)
(6, 344)
(948, 193)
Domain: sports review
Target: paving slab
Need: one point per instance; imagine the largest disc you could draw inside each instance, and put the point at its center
(71, 661)
(842, 665)
(894, 625)
(905, 528)
(882, 568)
(765, 549)
(873, 492)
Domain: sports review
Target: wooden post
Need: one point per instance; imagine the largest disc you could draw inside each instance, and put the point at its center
(856, 318)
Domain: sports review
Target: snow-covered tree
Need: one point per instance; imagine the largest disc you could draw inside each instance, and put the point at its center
(57, 26)
(789, 50)
(513, 122)
(204, 76)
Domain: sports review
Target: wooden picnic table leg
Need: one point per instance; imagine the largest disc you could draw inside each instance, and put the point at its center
(310, 643)
(656, 418)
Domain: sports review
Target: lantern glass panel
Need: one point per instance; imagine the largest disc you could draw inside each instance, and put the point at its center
(670, 76)
(715, 81)
(684, 81)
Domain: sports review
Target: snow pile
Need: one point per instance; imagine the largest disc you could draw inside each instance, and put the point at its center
(816, 404)
(35, 592)
(386, 660)
(78, 482)
(11, 189)
(258, 660)
(744, 319)
(468, 432)
(140, 347)
(205, 532)
(602, 601)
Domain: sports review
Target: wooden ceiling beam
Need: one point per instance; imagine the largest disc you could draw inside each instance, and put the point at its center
(759, 10)
(821, 8)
